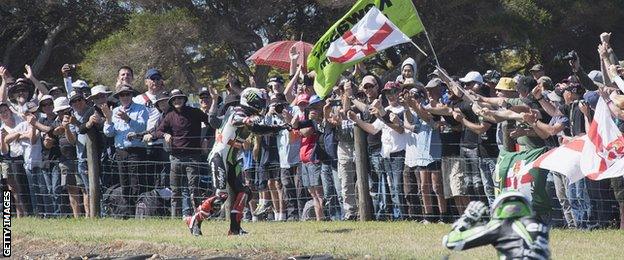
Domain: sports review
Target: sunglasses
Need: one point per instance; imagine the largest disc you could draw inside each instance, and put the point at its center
(204, 97)
(155, 78)
(76, 100)
(369, 86)
(45, 104)
(124, 94)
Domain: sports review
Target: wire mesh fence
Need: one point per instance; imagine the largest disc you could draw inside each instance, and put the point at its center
(147, 182)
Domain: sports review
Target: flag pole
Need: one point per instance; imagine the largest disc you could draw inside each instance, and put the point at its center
(421, 51)
(435, 56)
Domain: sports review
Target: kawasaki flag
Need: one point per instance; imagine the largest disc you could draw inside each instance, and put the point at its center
(514, 172)
(402, 15)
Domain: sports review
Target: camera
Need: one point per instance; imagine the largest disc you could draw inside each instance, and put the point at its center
(335, 102)
(572, 55)
(418, 94)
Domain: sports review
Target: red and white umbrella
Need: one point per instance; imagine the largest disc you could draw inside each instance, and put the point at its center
(277, 54)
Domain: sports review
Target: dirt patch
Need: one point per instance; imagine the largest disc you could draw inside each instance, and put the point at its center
(38, 248)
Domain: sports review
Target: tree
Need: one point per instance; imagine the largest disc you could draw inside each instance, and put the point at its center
(167, 41)
(47, 34)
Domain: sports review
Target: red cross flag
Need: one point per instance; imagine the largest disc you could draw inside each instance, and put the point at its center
(597, 155)
(368, 27)
(374, 33)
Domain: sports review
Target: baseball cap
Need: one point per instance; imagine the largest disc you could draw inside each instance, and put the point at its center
(152, 72)
(434, 83)
(473, 76)
(537, 67)
(80, 84)
(548, 83)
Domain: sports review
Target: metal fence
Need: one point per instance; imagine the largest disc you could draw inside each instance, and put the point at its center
(143, 188)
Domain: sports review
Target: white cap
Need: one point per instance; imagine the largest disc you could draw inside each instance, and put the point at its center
(99, 89)
(596, 76)
(60, 104)
(80, 84)
(472, 76)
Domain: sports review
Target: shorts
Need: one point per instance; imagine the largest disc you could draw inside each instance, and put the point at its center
(311, 174)
(433, 166)
(617, 184)
(265, 173)
(69, 175)
(453, 177)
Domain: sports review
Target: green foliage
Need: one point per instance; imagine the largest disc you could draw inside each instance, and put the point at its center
(164, 41)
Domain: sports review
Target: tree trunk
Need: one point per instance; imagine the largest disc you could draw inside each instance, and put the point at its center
(190, 76)
(9, 50)
(46, 49)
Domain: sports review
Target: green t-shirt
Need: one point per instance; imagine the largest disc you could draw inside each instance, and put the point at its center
(527, 142)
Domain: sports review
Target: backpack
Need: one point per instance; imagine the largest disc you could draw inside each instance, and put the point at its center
(151, 204)
(113, 202)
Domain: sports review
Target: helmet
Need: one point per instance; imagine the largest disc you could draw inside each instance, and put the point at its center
(253, 98)
(511, 204)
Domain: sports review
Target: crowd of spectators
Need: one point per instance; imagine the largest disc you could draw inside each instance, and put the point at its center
(431, 147)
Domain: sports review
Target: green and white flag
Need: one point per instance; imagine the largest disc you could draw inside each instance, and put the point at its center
(514, 171)
(369, 27)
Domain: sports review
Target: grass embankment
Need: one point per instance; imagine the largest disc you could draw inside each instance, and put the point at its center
(169, 238)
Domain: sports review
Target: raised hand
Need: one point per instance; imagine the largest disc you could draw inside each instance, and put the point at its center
(605, 37)
(29, 74)
(65, 70)
(293, 54)
(537, 91)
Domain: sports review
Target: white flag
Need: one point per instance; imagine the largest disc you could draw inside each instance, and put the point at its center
(373, 33)
(597, 155)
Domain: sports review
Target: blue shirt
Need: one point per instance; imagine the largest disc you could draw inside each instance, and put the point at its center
(119, 128)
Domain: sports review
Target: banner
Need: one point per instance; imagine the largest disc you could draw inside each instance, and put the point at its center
(596, 155)
(401, 13)
(514, 172)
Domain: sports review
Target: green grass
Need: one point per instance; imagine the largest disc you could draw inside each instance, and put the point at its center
(391, 240)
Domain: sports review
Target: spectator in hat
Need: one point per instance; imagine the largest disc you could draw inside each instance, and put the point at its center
(57, 92)
(275, 85)
(32, 158)
(49, 176)
(21, 90)
(472, 81)
(537, 71)
(162, 169)
(408, 71)
(491, 78)
(390, 123)
(82, 113)
(13, 159)
(422, 154)
(155, 85)
(181, 128)
(546, 81)
(81, 87)
(95, 125)
(506, 88)
(63, 135)
(122, 123)
(312, 153)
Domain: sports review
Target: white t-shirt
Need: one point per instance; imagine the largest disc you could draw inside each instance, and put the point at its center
(15, 147)
(391, 141)
(289, 144)
(32, 152)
